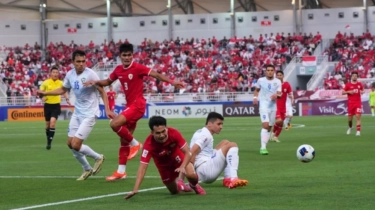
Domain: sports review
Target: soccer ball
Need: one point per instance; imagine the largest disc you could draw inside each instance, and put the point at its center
(305, 153)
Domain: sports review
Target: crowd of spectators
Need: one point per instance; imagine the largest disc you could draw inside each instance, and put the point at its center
(205, 65)
(352, 54)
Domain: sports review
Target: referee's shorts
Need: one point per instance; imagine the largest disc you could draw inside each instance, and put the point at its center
(51, 110)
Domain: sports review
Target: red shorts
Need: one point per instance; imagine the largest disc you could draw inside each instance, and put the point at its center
(133, 113)
(280, 114)
(167, 171)
(354, 109)
(111, 106)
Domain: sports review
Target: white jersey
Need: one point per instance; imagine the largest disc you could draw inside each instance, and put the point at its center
(87, 98)
(204, 139)
(267, 89)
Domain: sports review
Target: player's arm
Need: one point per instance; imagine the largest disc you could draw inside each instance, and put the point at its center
(195, 150)
(104, 96)
(187, 156)
(140, 176)
(256, 94)
(58, 91)
(345, 91)
(164, 78)
(103, 82)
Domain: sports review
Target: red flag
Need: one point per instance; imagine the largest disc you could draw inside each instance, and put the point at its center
(309, 61)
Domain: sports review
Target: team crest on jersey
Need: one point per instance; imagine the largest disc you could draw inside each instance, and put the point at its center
(130, 76)
(83, 80)
(274, 84)
(172, 145)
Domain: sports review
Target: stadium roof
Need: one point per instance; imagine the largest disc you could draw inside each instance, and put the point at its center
(57, 9)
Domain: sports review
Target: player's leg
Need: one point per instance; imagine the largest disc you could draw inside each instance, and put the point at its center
(84, 129)
(47, 117)
(350, 119)
(278, 127)
(192, 177)
(230, 152)
(358, 120)
(372, 110)
(120, 123)
(265, 132)
(56, 111)
(81, 158)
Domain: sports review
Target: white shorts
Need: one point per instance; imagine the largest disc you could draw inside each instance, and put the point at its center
(268, 116)
(210, 170)
(81, 127)
(289, 111)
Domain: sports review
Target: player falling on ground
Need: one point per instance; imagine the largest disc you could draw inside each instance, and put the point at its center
(289, 113)
(130, 74)
(354, 89)
(267, 89)
(171, 156)
(86, 111)
(111, 98)
(371, 99)
(287, 92)
(52, 108)
(210, 162)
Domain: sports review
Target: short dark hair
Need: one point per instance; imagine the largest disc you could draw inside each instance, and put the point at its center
(373, 85)
(157, 121)
(78, 53)
(354, 72)
(213, 116)
(126, 47)
(279, 71)
(53, 68)
(270, 66)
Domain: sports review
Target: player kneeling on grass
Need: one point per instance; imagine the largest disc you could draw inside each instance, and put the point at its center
(209, 162)
(171, 156)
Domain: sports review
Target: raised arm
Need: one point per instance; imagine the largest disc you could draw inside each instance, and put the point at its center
(103, 82)
(164, 78)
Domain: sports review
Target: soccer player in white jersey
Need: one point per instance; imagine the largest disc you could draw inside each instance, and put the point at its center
(289, 113)
(210, 162)
(86, 111)
(267, 90)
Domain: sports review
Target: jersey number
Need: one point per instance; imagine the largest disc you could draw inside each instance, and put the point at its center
(126, 86)
(178, 159)
(76, 85)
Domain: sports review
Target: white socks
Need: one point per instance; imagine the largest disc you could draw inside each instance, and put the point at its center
(232, 163)
(286, 121)
(133, 143)
(86, 150)
(82, 159)
(264, 138)
(121, 169)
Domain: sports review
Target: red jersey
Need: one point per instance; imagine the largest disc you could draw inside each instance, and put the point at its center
(162, 153)
(111, 97)
(286, 89)
(354, 98)
(131, 79)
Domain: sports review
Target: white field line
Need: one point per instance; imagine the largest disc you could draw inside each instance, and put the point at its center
(91, 198)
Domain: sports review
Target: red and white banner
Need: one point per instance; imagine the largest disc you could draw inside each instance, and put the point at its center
(265, 23)
(72, 30)
(309, 60)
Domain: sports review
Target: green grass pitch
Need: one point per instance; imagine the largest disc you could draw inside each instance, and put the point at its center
(341, 176)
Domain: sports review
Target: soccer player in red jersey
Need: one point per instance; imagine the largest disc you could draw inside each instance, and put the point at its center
(111, 98)
(287, 91)
(130, 74)
(171, 156)
(354, 90)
